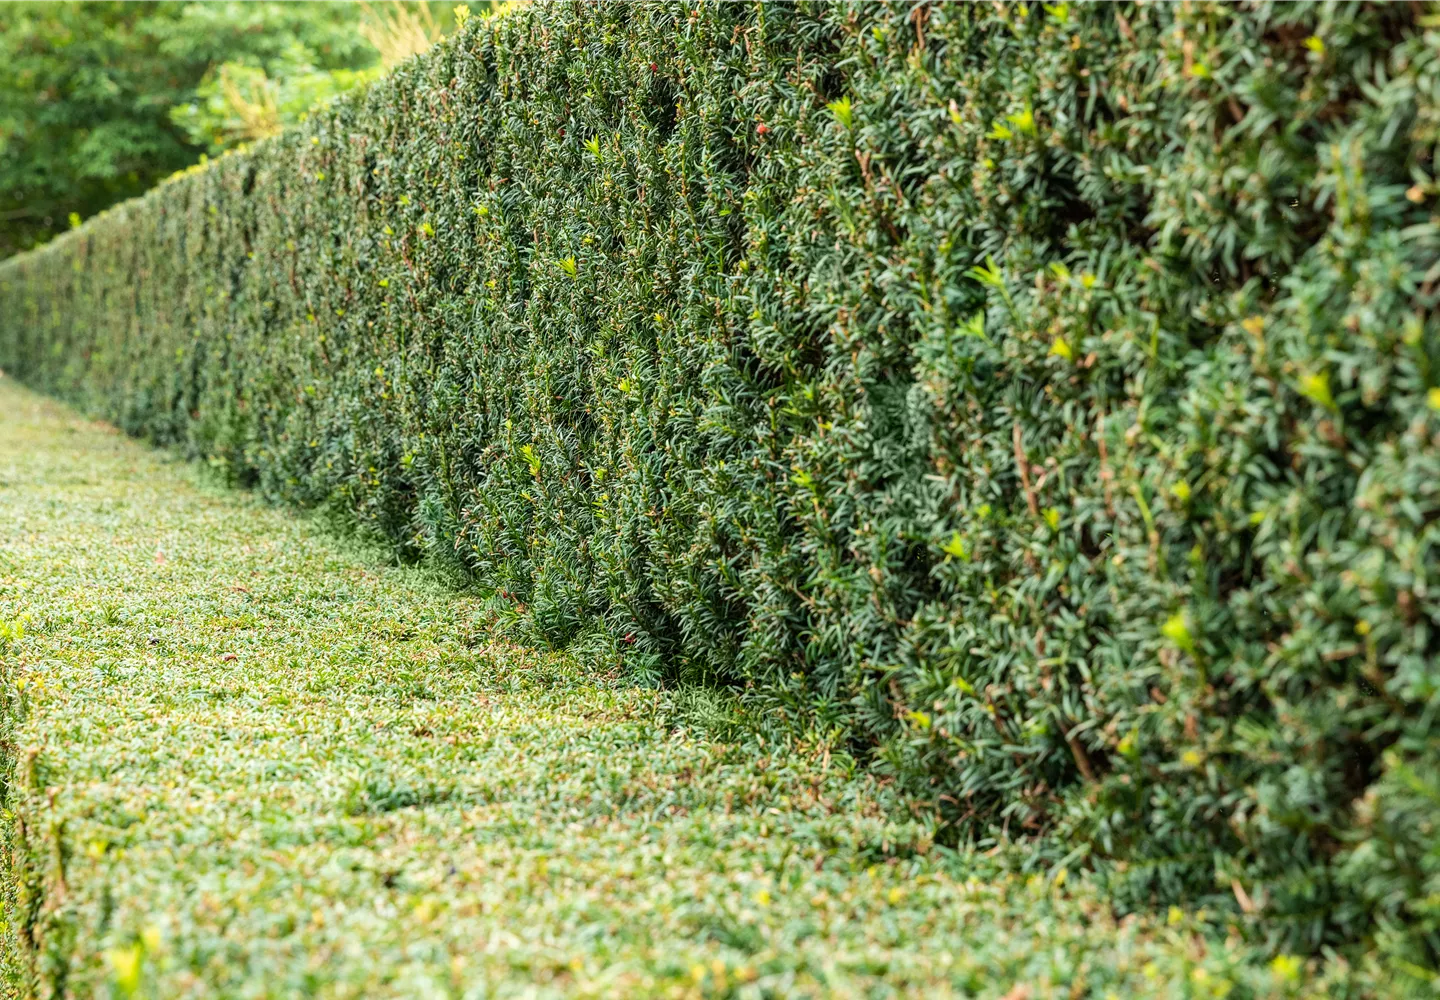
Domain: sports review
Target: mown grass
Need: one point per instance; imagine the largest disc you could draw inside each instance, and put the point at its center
(245, 761)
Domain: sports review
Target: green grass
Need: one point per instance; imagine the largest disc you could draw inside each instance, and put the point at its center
(247, 761)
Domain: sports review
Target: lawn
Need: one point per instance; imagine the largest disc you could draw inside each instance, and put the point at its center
(246, 759)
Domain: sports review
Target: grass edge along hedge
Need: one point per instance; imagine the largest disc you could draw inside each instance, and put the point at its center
(1044, 396)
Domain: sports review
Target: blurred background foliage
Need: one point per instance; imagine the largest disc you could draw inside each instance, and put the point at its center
(99, 100)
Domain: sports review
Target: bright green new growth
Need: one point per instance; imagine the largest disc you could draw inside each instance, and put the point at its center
(1221, 691)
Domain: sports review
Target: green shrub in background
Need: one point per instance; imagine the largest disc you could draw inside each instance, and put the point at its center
(1045, 396)
(87, 90)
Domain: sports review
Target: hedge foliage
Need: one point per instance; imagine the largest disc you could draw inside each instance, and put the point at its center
(1046, 396)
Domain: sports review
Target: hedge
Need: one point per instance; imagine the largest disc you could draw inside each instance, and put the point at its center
(1044, 397)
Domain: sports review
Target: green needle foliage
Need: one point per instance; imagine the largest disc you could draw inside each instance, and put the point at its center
(1042, 396)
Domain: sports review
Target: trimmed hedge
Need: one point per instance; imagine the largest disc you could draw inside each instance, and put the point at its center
(1045, 396)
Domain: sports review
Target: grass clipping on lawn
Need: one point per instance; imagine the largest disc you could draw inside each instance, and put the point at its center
(242, 761)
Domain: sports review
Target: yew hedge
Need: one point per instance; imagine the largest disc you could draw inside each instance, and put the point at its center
(1042, 396)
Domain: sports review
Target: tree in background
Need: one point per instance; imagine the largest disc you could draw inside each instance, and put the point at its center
(99, 100)
(243, 98)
